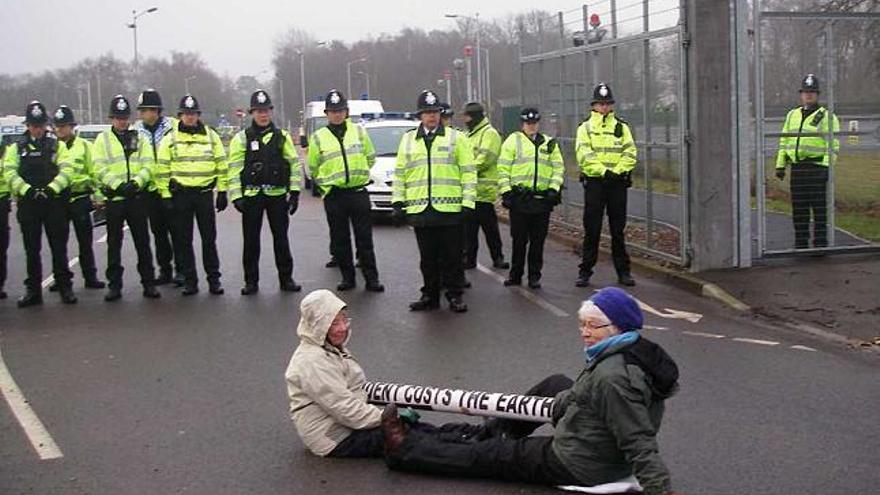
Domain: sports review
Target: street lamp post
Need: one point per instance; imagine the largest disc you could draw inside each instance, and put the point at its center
(186, 81)
(348, 72)
(476, 19)
(133, 26)
(366, 80)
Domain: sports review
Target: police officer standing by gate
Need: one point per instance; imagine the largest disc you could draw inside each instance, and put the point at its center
(77, 152)
(40, 180)
(264, 177)
(486, 144)
(339, 160)
(154, 126)
(191, 164)
(124, 169)
(606, 155)
(434, 187)
(806, 149)
(530, 175)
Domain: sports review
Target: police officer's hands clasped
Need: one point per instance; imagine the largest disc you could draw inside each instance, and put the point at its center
(293, 202)
(222, 201)
(238, 204)
(128, 190)
(507, 200)
(551, 197)
(780, 173)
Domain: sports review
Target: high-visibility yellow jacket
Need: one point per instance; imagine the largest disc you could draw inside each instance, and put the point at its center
(443, 177)
(536, 165)
(4, 188)
(112, 168)
(486, 143)
(16, 175)
(78, 153)
(812, 149)
(237, 164)
(163, 127)
(604, 143)
(191, 160)
(344, 165)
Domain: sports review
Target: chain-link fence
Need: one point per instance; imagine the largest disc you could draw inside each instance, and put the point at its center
(636, 47)
(817, 207)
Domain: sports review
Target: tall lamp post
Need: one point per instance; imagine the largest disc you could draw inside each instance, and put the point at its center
(134, 29)
(475, 18)
(366, 80)
(348, 72)
(186, 81)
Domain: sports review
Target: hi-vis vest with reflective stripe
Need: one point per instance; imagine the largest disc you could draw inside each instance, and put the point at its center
(487, 145)
(330, 168)
(814, 149)
(191, 160)
(237, 153)
(112, 169)
(598, 149)
(532, 167)
(14, 177)
(82, 174)
(446, 178)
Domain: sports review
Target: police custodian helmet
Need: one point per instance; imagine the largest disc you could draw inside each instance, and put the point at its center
(63, 116)
(810, 84)
(119, 107)
(35, 113)
(530, 115)
(335, 101)
(260, 100)
(189, 103)
(602, 94)
(149, 98)
(428, 102)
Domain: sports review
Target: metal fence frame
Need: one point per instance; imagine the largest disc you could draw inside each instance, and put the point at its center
(646, 142)
(828, 18)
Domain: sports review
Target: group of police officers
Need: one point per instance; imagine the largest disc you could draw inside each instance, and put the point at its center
(166, 174)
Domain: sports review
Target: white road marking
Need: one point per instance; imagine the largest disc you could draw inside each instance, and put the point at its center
(803, 348)
(531, 296)
(654, 327)
(72, 263)
(670, 313)
(756, 341)
(37, 434)
(704, 334)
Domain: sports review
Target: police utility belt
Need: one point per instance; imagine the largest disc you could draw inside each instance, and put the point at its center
(176, 188)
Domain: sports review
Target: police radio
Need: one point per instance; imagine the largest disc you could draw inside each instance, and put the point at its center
(130, 140)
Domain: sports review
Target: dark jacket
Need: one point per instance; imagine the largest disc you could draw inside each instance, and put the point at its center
(607, 423)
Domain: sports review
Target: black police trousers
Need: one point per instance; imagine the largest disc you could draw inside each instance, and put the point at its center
(440, 260)
(275, 209)
(195, 207)
(599, 195)
(34, 216)
(79, 214)
(161, 225)
(528, 232)
(132, 211)
(504, 451)
(349, 210)
(5, 206)
(484, 217)
(809, 183)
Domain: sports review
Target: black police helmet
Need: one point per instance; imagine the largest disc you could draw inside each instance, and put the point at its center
(428, 102)
(149, 98)
(189, 103)
(810, 84)
(63, 116)
(446, 110)
(530, 115)
(119, 107)
(602, 94)
(260, 100)
(35, 113)
(335, 100)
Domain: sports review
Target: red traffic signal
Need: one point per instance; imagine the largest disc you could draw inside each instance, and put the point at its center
(240, 112)
(468, 51)
(594, 20)
(447, 74)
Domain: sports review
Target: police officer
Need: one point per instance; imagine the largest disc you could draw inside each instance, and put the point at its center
(124, 169)
(154, 126)
(806, 149)
(606, 155)
(530, 175)
(264, 177)
(5, 207)
(191, 164)
(486, 144)
(446, 115)
(77, 152)
(339, 160)
(40, 180)
(434, 187)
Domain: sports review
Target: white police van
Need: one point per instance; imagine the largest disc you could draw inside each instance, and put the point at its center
(385, 130)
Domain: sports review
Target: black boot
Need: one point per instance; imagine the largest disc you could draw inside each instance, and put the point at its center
(500, 263)
(114, 294)
(583, 280)
(67, 295)
(375, 286)
(3, 294)
(534, 283)
(512, 281)
(290, 286)
(190, 290)
(457, 305)
(626, 279)
(151, 292)
(165, 277)
(179, 280)
(346, 284)
(250, 289)
(425, 303)
(94, 283)
(53, 287)
(215, 288)
(332, 263)
(30, 298)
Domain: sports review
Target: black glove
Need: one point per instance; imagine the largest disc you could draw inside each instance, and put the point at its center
(468, 214)
(507, 200)
(129, 189)
(552, 197)
(609, 175)
(32, 193)
(293, 202)
(398, 215)
(780, 173)
(222, 201)
(238, 204)
(168, 204)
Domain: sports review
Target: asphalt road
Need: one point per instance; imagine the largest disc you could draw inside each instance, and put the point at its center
(186, 395)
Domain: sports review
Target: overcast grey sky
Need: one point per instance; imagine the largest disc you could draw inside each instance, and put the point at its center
(49, 34)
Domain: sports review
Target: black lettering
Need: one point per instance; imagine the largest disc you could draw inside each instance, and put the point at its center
(502, 402)
(447, 397)
(484, 402)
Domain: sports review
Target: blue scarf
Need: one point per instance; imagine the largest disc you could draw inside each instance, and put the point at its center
(619, 340)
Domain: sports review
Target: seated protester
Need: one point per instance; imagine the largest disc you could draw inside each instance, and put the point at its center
(325, 387)
(606, 424)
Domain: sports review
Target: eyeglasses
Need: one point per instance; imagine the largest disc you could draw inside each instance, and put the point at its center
(592, 326)
(346, 321)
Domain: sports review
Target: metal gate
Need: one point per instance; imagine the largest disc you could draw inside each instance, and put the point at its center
(843, 50)
(640, 49)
